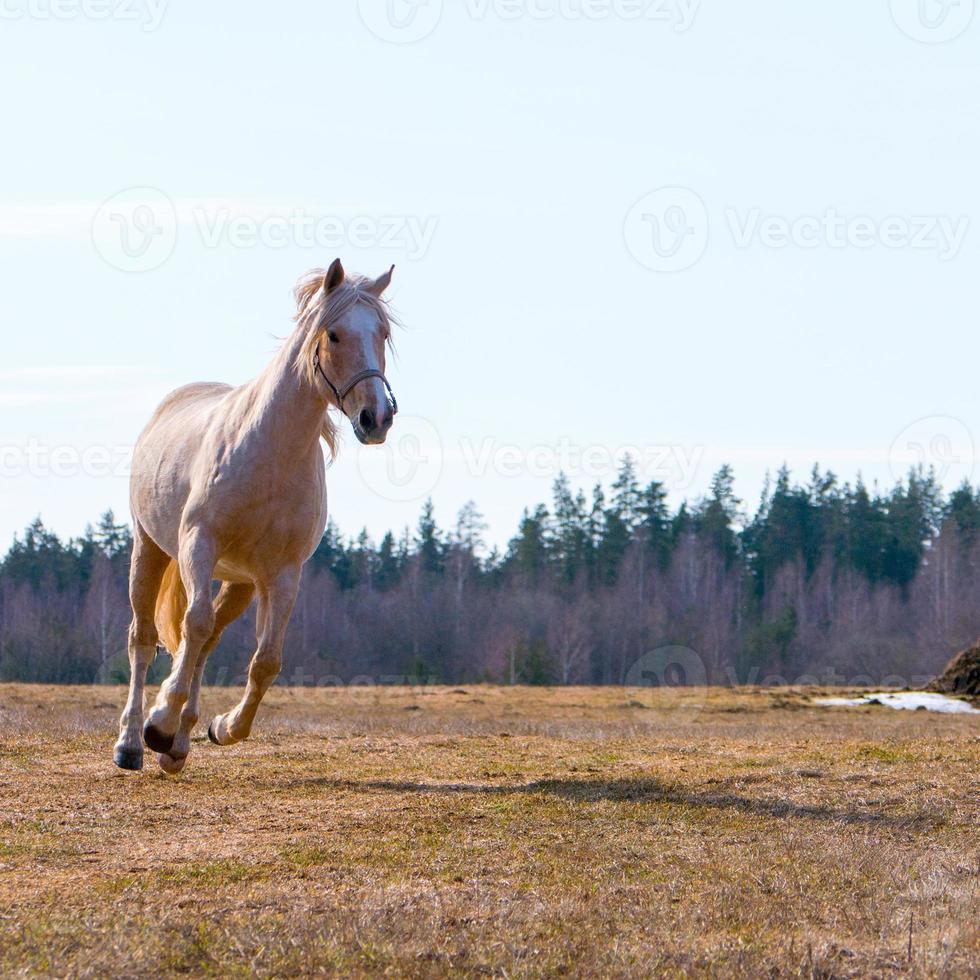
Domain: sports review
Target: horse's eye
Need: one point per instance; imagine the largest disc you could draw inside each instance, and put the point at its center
(334, 339)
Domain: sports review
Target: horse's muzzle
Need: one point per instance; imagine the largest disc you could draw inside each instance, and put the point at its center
(369, 430)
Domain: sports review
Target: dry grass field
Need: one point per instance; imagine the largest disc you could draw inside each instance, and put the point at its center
(495, 831)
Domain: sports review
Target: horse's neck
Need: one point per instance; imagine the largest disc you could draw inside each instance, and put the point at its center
(286, 404)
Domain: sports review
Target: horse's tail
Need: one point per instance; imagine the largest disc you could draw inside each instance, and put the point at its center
(171, 607)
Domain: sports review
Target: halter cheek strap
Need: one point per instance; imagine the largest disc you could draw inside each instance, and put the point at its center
(342, 393)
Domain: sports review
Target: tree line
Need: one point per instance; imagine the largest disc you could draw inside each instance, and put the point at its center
(825, 581)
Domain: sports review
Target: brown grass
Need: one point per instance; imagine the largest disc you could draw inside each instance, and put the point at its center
(495, 831)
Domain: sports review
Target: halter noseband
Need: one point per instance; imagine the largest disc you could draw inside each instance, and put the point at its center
(342, 393)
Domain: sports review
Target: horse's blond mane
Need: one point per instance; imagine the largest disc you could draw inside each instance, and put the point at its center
(315, 311)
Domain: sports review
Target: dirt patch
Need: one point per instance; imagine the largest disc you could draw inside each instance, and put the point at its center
(961, 676)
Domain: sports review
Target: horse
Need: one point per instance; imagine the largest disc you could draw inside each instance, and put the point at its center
(229, 484)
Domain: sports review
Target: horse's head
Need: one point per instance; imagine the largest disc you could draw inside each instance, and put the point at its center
(351, 328)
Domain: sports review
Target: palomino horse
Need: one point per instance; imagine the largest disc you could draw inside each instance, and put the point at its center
(230, 484)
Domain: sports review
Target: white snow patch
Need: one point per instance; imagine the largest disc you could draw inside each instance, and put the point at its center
(908, 701)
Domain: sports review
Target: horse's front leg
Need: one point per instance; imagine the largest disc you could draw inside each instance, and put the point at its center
(276, 604)
(145, 575)
(233, 601)
(198, 557)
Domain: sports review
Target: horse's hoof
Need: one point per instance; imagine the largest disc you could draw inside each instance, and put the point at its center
(131, 759)
(156, 740)
(170, 765)
(211, 736)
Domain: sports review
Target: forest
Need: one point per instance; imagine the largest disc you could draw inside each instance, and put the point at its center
(825, 582)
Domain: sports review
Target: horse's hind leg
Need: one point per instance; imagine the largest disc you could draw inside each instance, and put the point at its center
(198, 557)
(276, 604)
(232, 602)
(145, 575)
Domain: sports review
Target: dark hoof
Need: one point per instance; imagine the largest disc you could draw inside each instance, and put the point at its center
(156, 740)
(131, 759)
(211, 736)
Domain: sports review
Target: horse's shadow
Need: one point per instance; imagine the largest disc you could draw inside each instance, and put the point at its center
(642, 791)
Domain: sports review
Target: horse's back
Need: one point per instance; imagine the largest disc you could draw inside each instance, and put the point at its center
(164, 456)
(194, 397)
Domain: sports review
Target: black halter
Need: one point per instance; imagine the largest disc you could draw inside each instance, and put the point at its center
(342, 393)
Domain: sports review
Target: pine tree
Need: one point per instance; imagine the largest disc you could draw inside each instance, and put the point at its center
(362, 561)
(41, 557)
(527, 553)
(114, 540)
(627, 498)
(655, 524)
(569, 544)
(717, 514)
(620, 522)
(866, 533)
(389, 564)
(470, 528)
(429, 544)
(963, 509)
(912, 518)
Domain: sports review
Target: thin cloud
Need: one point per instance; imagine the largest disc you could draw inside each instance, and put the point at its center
(79, 373)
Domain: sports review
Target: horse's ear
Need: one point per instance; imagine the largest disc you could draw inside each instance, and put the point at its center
(335, 276)
(381, 283)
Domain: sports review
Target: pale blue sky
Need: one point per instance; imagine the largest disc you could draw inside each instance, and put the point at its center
(498, 161)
